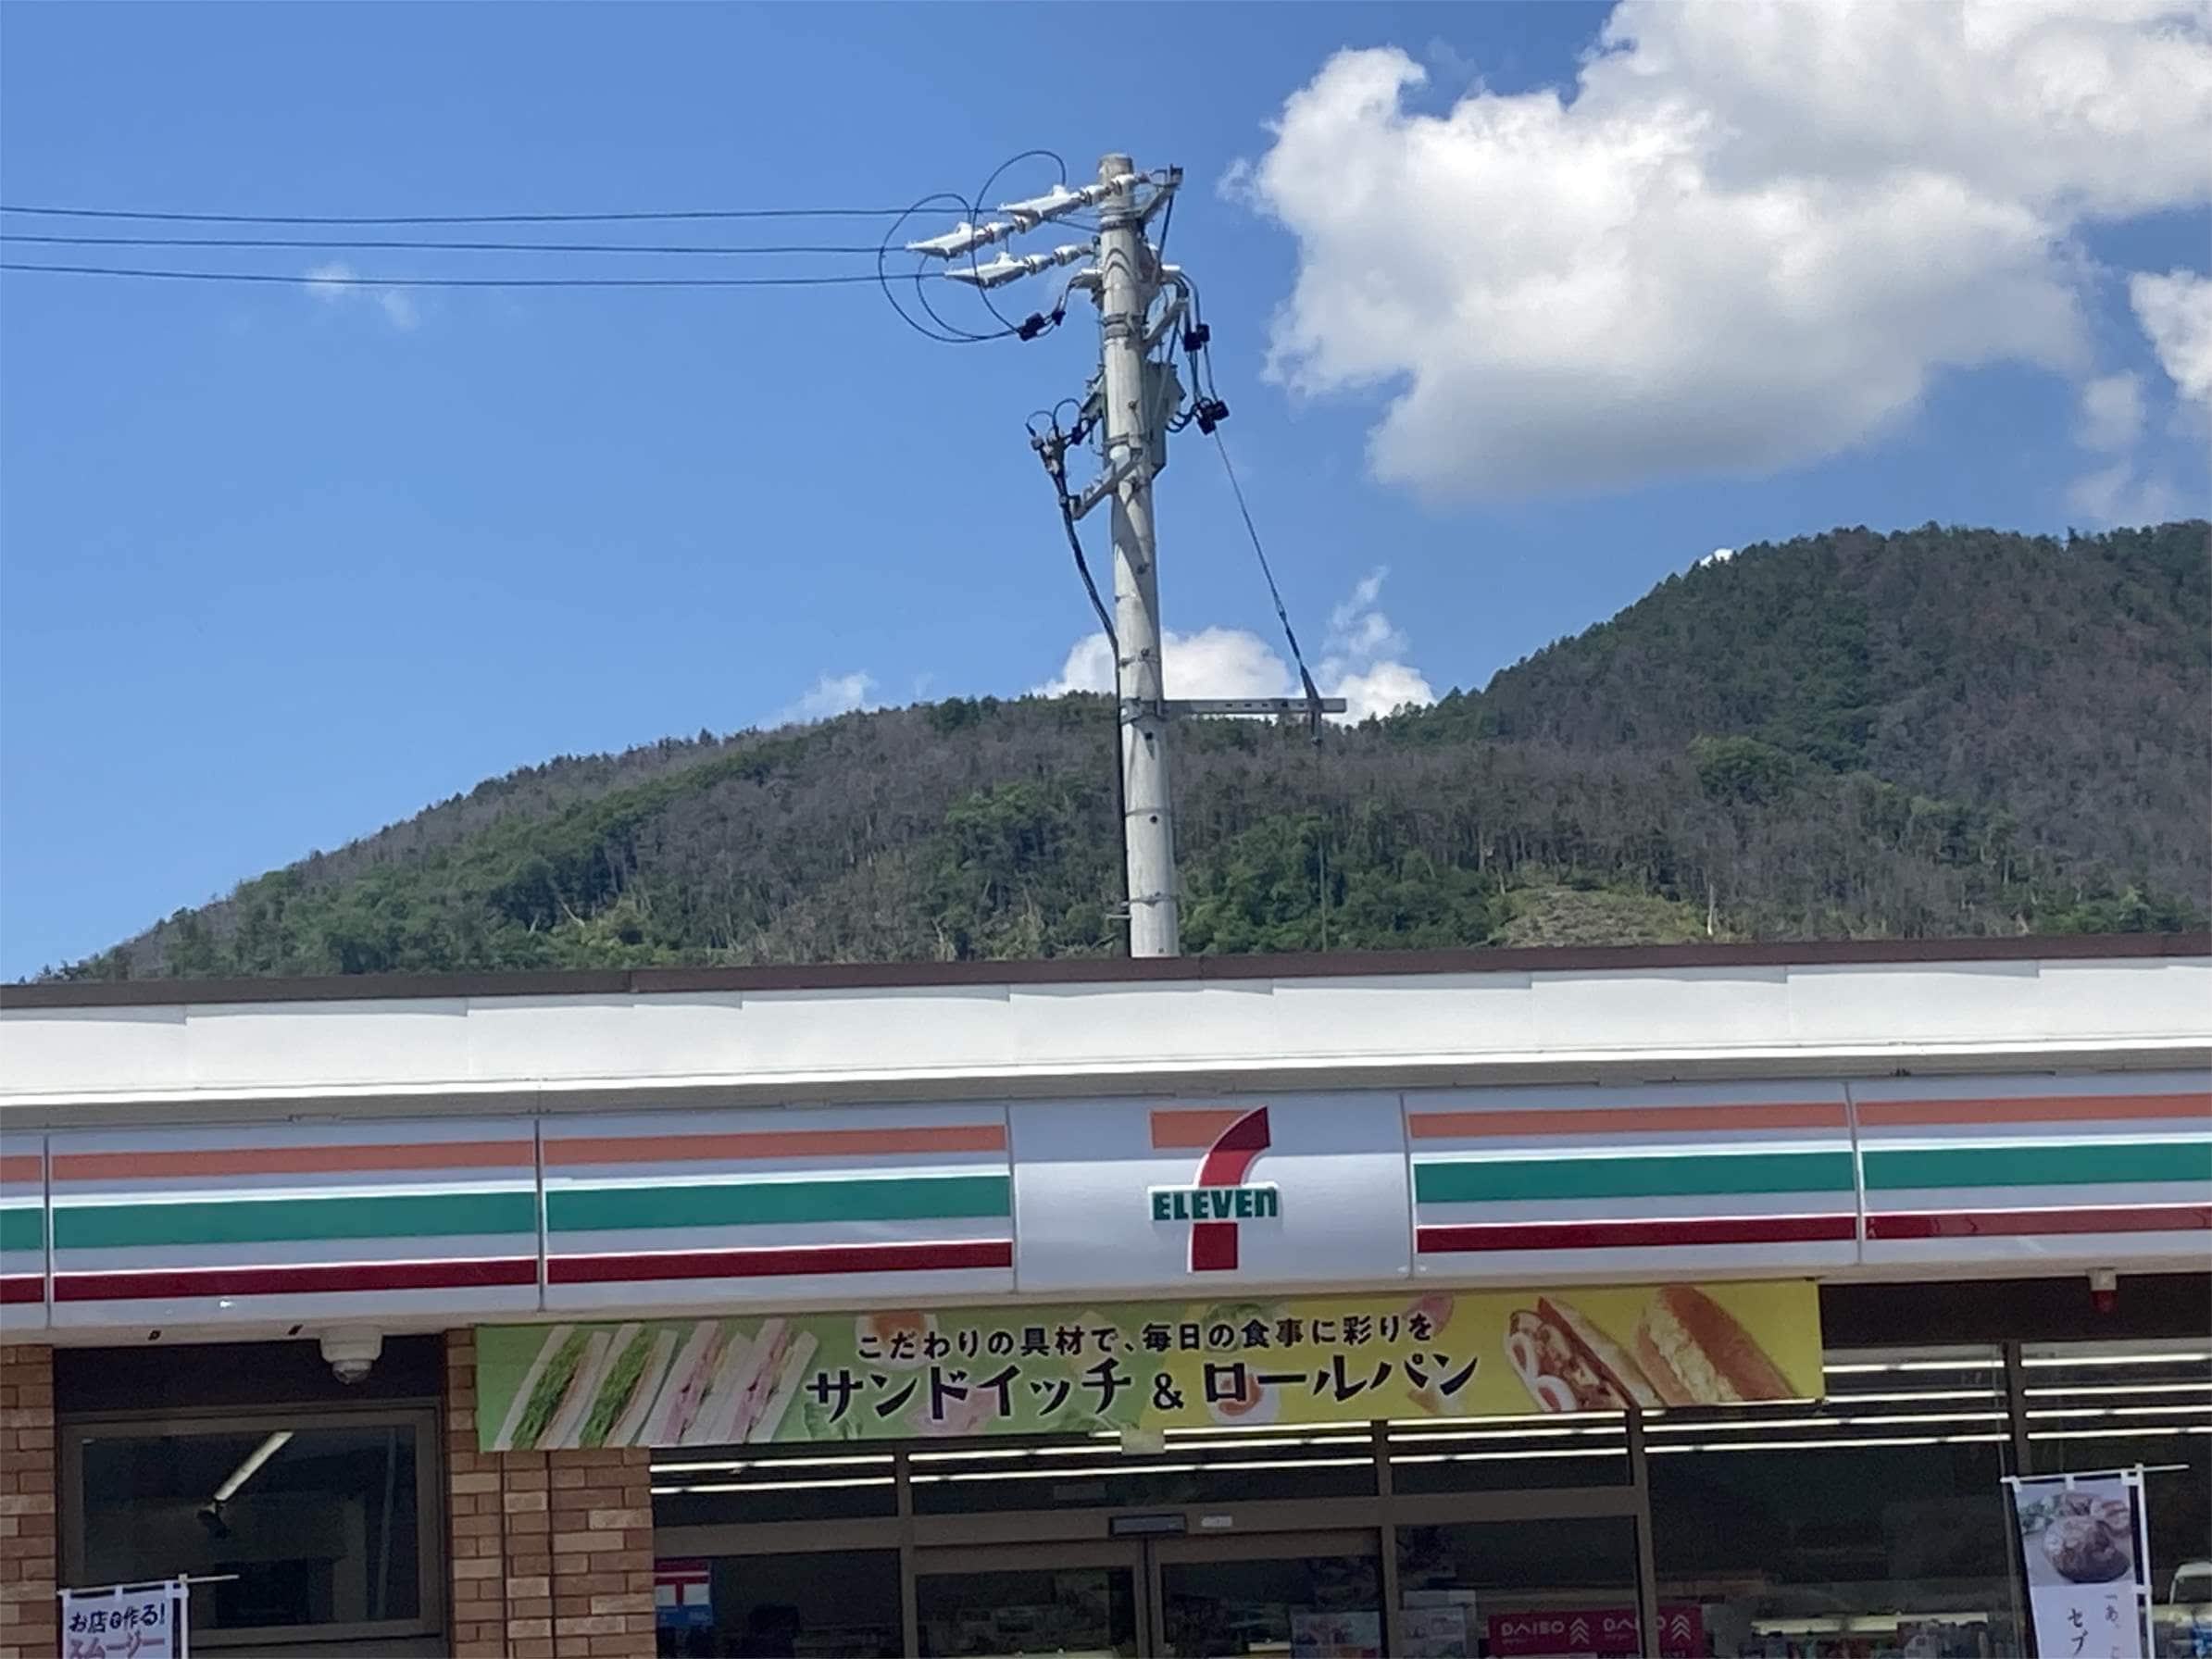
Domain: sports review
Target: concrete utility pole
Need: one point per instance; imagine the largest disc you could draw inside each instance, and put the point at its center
(1133, 404)
(1128, 281)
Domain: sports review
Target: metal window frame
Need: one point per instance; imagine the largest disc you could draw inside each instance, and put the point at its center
(932, 1542)
(429, 1508)
(935, 1543)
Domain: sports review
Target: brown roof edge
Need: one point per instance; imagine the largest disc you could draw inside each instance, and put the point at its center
(1096, 970)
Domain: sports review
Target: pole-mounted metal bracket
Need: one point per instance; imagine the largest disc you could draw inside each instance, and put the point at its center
(1252, 705)
(1109, 482)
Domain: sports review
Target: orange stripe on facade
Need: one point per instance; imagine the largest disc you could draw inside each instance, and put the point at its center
(2040, 1108)
(1607, 1120)
(293, 1160)
(1193, 1128)
(22, 1167)
(774, 1143)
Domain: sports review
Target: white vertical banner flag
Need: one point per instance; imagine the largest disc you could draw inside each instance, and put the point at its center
(126, 1621)
(2085, 1554)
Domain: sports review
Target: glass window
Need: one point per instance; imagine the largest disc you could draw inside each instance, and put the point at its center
(1198, 1466)
(1510, 1454)
(1870, 1525)
(1529, 1587)
(1090, 1610)
(1325, 1603)
(305, 1525)
(2118, 1406)
(843, 1605)
(711, 1484)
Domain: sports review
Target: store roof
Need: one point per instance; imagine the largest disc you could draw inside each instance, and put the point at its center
(1104, 970)
(169, 1049)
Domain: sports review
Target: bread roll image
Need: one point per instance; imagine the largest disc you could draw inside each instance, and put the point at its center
(1696, 1355)
(1567, 1364)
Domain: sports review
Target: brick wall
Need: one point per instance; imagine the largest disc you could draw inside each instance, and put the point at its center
(29, 1627)
(552, 1551)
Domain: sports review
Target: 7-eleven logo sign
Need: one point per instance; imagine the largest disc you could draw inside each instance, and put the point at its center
(1222, 1198)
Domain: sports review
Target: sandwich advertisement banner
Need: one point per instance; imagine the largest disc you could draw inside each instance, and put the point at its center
(896, 1375)
(2085, 1553)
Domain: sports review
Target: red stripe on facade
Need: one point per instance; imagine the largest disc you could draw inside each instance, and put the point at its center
(22, 1287)
(779, 1264)
(1226, 1164)
(2014, 1224)
(1625, 1235)
(165, 1283)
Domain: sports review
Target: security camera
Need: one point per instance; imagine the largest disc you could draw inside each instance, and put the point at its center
(351, 1352)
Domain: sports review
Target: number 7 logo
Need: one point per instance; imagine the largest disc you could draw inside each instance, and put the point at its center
(1231, 1141)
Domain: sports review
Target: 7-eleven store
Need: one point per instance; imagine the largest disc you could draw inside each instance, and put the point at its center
(1684, 1301)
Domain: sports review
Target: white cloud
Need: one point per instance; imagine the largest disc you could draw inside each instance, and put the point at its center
(1720, 555)
(1214, 662)
(1362, 659)
(334, 282)
(1747, 238)
(1358, 662)
(830, 696)
(2121, 495)
(2176, 312)
(2111, 412)
(397, 308)
(1381, 690)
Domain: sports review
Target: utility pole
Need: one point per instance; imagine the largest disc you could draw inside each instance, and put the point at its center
(1128, 281)
(1133, 404)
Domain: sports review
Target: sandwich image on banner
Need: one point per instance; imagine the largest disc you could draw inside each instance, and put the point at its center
(755, 1394)
(634, 1386)
(553, 1374)
(684, 1390)
(637, 1360)
(1686, 1350)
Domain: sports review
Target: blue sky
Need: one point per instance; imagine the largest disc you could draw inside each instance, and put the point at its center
(281, 566)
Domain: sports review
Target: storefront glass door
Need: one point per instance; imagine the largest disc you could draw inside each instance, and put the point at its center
(1317, 1595)
(1076, 1602)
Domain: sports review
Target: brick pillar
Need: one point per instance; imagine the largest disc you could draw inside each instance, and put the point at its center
(552, 1551)
(29, 1627)
(602, 1554)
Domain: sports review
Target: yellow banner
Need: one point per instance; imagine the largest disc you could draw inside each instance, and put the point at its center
(898, 1374)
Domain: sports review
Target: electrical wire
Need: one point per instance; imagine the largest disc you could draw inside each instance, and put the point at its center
(450, 219)
(943, 333)
(939, 328)
(352, 282)
(975, 210)
(1313, 691)
(1053, 452)
(456, 248)
(1082, 568)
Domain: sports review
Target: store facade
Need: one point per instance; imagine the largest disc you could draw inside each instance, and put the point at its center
(1684, 1302)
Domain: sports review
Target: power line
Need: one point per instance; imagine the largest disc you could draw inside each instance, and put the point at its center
(975, 211)
(451, 218)
(351, 282)
(468, 248)
(1313, 691)
(943, 333)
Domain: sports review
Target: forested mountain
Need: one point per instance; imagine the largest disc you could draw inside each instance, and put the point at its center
(1944, 731)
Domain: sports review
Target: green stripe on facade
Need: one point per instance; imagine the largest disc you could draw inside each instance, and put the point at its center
(277, 1220)
(2074, 1165)
(1494, 1180)
(22, 1229)
(746, 1203)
